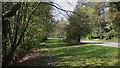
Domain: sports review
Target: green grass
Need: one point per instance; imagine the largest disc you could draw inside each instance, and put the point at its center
(79, 55)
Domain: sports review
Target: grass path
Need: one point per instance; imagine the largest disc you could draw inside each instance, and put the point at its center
(56, 54)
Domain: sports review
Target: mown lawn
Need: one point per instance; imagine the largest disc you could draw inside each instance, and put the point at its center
(78, 55)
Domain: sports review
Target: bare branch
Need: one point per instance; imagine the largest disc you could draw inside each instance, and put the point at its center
(66, 11)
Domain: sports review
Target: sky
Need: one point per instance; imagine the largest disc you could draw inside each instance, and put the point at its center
(66, 5)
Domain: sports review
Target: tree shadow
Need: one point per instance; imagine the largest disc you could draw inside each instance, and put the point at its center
(85, 52)
(36, 61)
(81, 52)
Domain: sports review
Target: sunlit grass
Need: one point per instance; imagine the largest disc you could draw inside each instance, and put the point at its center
(80, 55)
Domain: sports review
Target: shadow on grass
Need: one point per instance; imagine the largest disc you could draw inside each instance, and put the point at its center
(75, 55)
(87, 51)
(97, 54)
(86, 54)
(37, 61)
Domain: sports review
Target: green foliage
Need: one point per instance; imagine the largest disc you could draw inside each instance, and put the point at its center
(116, 22)
(38, 28)
(79, 26)
(109, 35)
(114, 13)
(27, 29)
(103, 29)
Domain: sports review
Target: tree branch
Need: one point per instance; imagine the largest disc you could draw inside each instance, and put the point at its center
(12, 11)
(51, 3)
(22, 34)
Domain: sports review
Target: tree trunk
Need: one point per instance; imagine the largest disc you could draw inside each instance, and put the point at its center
(78, 39)
(7, 58)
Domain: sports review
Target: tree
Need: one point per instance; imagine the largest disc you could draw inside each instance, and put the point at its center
(114, 13)
(78, 27)
(22, 28)
(99, 20)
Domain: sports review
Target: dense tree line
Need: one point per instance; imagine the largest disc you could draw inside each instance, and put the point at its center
(94, 21)
(114, 13)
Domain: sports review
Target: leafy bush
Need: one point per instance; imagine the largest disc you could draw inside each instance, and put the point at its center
(110, 35)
